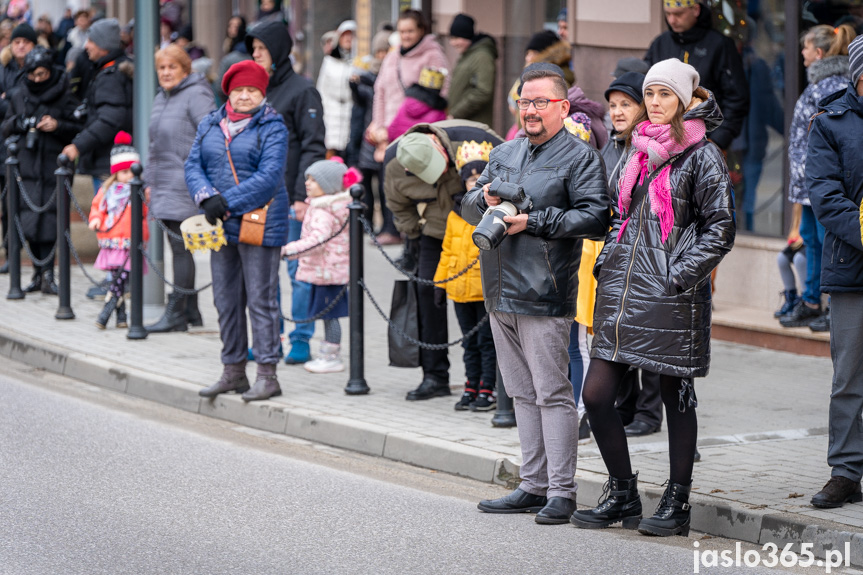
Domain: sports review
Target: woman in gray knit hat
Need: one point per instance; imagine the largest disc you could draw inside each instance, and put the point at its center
(673, 223)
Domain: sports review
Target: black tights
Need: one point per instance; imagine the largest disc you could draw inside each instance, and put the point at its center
(600, 390)
(183, 262)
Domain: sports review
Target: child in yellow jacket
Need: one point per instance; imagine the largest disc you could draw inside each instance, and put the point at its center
(480, 361)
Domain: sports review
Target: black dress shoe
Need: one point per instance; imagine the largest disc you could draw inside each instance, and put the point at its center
(427, 389)
(638, 428)
(838, 491)
(558, 510)
(516, 502)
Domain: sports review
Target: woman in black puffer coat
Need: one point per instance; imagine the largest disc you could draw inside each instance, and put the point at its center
(673, 224)
(40, 112)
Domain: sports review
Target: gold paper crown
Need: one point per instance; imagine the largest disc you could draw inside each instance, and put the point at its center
(471, 152)
(200, 235)
(577, 129)
(432, 78)
(671, 4)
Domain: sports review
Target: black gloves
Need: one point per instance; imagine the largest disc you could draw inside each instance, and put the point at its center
(410, 256)
(440, 298)
(215, 208)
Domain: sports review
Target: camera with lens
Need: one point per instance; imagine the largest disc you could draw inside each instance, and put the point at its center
(29, 124)
(491, 230)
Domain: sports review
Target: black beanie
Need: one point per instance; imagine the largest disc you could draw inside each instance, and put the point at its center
(462, 27)
(630, 83)
(24, 31)
(542, 40)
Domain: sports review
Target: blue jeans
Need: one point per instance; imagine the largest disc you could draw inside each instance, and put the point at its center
(812, 234)
(300, 291)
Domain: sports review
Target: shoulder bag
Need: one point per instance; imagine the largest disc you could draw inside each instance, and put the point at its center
(253, 223)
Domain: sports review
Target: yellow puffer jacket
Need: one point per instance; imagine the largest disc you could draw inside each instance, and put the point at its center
(587, 283)
(459, 251)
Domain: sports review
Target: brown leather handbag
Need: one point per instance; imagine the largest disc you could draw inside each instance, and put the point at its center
(253, 223)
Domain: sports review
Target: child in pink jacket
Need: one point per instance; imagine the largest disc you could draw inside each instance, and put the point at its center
(423, 104)
(326, 265)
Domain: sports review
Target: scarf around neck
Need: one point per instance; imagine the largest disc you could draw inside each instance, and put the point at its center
(654, 145)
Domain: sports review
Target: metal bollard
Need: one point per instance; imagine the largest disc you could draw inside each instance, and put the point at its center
(357, 382)
(13, 249)
(136, 277)
(504, 415)
(63, 174)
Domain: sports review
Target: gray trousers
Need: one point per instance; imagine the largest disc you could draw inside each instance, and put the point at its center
(247, 276)
(533, 360)
(845, 450)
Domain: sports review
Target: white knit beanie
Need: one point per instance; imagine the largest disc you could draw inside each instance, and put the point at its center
(680, 78)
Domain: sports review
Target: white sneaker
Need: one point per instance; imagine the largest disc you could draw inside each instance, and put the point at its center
(323, 364)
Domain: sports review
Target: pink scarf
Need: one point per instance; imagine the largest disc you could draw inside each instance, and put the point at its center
(654, 145)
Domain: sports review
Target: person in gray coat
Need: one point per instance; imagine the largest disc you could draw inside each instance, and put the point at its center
(183, 100)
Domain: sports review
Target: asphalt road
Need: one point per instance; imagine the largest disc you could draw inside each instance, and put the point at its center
(96, 482)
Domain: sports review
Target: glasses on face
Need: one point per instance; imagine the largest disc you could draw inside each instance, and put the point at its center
(538, 103)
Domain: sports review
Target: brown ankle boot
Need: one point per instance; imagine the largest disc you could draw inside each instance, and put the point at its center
(233, 379)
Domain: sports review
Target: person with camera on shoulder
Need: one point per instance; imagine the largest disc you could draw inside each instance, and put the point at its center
(41, 114)
(553, 185)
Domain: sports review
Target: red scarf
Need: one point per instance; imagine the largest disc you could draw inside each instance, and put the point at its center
(235, 116)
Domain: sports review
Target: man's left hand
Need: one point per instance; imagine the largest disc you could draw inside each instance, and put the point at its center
(516, 223)
(71, 152)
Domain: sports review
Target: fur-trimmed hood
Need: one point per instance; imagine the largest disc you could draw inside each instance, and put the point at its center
(330, 199)
(559, 53)
(829, 66)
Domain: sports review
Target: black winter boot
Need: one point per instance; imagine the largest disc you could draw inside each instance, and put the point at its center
(193, 314)
(233, 379)
(791, 299)
(621, 503)
(49, 287)
(106, 312)
(121, 313)
(672, 514)
(35, 282)
(174, 318)
(266, 384)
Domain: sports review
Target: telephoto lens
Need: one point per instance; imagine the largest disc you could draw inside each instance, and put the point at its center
(491, 230)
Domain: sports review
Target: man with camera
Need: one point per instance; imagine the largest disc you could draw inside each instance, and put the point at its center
(420, 180)
(555, 185)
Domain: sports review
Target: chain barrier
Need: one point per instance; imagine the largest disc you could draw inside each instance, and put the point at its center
(29, 201)
(422, 344)
(332, 237)
(3, 193)
(75, 203)
(176, 288)
(78, 259)
(410, 275)
(330, 307)
(36, 262)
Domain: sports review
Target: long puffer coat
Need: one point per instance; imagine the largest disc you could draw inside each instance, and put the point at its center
(173, 125)
(258, 153)
(642, 318)
(37, 165)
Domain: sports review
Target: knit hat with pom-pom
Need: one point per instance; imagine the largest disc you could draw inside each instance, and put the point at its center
(333, 176)
(123, 155)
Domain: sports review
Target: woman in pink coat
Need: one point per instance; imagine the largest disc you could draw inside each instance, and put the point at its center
(324, 254)
(401, 69)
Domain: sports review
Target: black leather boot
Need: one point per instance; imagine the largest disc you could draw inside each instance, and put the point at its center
(266, 384)
(193, 314)
(49, 287)
(121, 313)
(106, 312)
(621, 503)
(233, 379)
(672, 514)
(174, 318)
(35, 282)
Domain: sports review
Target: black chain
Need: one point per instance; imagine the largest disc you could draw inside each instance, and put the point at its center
(29, 201)
(75, 204)
(329, 239)
(176, 288)
(3, 193)
(158, 221)
(410, 275)
(78, 259)
(36, 262)
(422, 344)
(322, 313)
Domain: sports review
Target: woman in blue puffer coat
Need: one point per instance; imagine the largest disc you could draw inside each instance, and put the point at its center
(237, 165)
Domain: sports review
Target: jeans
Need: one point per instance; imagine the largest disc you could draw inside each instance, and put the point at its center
(480, 362)
(579, 359)
(300, 291)
(812, 233)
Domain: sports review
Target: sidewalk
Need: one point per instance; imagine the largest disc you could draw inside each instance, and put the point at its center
(762, 413)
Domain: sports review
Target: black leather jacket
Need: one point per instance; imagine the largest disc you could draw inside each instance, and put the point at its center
(535, 272)
(653, 300)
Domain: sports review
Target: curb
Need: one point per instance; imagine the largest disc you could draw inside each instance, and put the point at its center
(710, 515)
